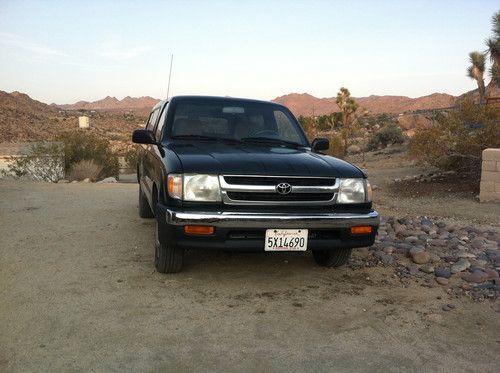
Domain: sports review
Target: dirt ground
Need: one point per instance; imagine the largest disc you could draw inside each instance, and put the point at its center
(79, 293)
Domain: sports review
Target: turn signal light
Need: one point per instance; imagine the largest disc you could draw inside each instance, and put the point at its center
(199, 229)
(174, 186)
(361, 230)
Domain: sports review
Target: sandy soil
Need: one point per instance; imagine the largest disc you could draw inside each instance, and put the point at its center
(78, 293)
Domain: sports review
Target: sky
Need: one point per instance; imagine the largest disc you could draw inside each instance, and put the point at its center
(65, 51)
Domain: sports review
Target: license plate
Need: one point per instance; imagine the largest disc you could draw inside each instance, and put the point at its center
(286, 240)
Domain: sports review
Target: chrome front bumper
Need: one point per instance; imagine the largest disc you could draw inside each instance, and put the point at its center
(271, 220)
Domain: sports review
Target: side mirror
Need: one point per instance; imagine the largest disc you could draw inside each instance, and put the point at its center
(320, 144)
(143, 137)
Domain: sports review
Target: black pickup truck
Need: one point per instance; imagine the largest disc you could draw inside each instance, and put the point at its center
(238, 174)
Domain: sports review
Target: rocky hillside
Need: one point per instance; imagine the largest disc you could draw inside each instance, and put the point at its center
(308, 105)
(300, 104)
(21, 102)
(112, 103)
(23, 119)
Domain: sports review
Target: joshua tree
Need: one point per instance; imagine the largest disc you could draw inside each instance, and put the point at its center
(348, 107)
(493, 44)
(476, 71)
(496, 24)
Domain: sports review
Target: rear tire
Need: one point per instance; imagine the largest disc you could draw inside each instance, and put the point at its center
(332, 258)
(168, 259)
(145, 211)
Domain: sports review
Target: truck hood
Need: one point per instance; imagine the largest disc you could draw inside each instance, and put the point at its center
(258, 159)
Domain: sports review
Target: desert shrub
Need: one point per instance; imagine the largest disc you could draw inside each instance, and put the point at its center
(131, 157)
(84, 169)
(381, 120)
(390, 134)
(84, 145)
(336, 146)
(311, 129)
(329, 121)
(308, 124)
(458, 139)
(44, 162)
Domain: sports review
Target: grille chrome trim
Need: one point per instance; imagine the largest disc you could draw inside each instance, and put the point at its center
(296, 189)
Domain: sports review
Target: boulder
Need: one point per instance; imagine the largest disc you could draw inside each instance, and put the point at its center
(460, 266)
(420, 257)
(413, 121)
(477, 277)
(442, 272)
(353, 149)
(108, 180)
(442, 280)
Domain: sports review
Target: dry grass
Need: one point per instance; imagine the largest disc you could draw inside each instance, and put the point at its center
(85, 169)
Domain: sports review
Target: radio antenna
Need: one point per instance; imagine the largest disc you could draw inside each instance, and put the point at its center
(170, 75)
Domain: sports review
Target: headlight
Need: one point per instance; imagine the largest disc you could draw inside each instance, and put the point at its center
(201, 188)
(194, 187)
(354, 191)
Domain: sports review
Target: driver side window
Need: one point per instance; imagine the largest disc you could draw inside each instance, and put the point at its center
(152, 120)
(161, 122)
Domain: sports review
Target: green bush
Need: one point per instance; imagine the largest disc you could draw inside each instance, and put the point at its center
(308, 124)
(43, 163)
(457, 141)
(382, 120)
(311, 129)
(86, 169)
(131, 156)
(329, 121)
(83, 145)
(336, 148)
(391, 134)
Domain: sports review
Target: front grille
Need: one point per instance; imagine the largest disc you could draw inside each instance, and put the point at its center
(275, 180)
(249, 196)
(262, 190)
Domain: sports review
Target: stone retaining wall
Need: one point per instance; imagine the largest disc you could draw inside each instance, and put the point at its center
(490, 176)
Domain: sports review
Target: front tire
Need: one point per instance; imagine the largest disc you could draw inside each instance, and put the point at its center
(145, 210)
(168, 259)
(332, 258)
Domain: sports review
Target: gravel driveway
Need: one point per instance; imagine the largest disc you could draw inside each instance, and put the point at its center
(79, 293)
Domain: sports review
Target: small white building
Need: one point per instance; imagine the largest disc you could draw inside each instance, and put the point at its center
(83, 122)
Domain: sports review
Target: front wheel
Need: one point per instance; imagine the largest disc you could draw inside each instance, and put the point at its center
(168, 259)
(332, 258)
(145, 211)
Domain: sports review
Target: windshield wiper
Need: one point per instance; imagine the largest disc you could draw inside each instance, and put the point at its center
(272, 141)
(204, 137)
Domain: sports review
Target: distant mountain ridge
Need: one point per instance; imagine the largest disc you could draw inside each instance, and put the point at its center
(308, 105)
(299, 103)
(25, 119)
(21, 102)
(112, 103)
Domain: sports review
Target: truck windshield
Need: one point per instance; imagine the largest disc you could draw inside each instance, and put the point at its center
(237, 121)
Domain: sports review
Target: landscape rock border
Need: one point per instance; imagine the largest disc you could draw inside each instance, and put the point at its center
(464, 258)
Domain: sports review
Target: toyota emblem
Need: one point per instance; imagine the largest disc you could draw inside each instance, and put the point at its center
(283, 188)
